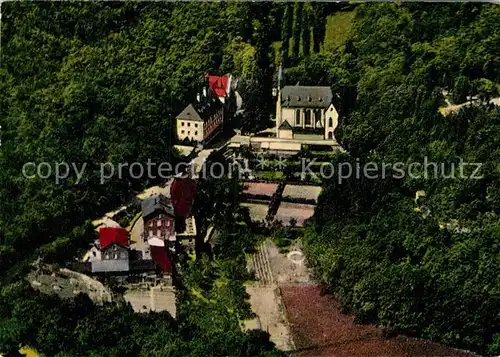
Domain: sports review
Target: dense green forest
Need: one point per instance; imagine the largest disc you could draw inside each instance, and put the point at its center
(102, 82)
(386, 262)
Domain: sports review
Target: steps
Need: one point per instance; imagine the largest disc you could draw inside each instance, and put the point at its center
(260, 265)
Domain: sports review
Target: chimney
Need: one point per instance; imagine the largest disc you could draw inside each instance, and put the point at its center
(204, 92)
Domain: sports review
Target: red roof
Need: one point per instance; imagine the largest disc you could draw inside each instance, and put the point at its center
(159, 256)
(182, 193)
(218, 84)
(113, 235)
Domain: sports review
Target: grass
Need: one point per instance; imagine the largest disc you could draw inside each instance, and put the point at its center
(338, 27)
(270, 175)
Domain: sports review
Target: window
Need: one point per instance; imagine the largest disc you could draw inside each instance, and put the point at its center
(189, 124)
(308, 117)
(158, 223)
(182, 123)
(189, 133)
(182, 131)
(330, 122)
(195, 125)
(195, 133)
(168, 223)
(124, 255)
(150, 233)
(115, 256)
(297, 116)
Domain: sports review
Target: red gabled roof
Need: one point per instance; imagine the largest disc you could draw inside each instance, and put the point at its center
(183, 193)
(218, 84)
(159, 256)
(113, 235)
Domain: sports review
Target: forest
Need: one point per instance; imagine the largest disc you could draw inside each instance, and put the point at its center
(103, 82)
(434, 275)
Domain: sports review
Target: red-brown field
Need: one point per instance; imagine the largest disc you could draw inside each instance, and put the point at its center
(260, 188)
(320, 329)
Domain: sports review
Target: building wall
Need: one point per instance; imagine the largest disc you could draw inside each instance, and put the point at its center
(288, 115)
(285, 134)
(331, 122)
(114, 252)
(161, 226)
(213, 123)
(191, 129)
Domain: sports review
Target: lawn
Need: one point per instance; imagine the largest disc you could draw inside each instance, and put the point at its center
(338, 27)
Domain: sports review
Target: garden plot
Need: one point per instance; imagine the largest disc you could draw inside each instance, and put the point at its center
(259, 189)
(302, 193)
(296, 211)
(258, 211)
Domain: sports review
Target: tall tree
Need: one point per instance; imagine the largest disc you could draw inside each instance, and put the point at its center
(286, 21)
(306, 33)
(297, 29)
(319, 27)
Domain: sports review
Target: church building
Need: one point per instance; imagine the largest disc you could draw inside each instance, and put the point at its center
(306, 110)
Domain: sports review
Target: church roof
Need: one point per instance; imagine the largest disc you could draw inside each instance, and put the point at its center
(306, 96)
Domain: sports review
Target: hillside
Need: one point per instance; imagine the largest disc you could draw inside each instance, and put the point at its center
(92, 85)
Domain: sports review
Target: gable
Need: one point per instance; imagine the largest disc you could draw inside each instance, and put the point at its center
(189, 113)
(285, 126)
(155, 205)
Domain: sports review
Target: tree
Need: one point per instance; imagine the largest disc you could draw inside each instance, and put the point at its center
(306, 33)
(286, 33)
(297, 29)
(319, 27)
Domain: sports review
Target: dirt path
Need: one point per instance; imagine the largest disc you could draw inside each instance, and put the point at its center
(266, 303)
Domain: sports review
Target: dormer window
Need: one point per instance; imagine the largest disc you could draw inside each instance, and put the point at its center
(298, 98)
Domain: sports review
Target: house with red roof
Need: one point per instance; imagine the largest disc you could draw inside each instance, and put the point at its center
(182, 193)
(219, 85)
(204, 117)
(114, 248)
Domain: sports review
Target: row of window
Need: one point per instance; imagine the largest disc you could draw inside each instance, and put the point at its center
(158, 223)
(308, 121)
(114, 256)
(189, 124)
(189, 133)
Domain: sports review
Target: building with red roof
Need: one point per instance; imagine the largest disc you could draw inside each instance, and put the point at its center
(159, 254)
(219, 85)
(183, 193)
(113, 235)
(114, 243)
